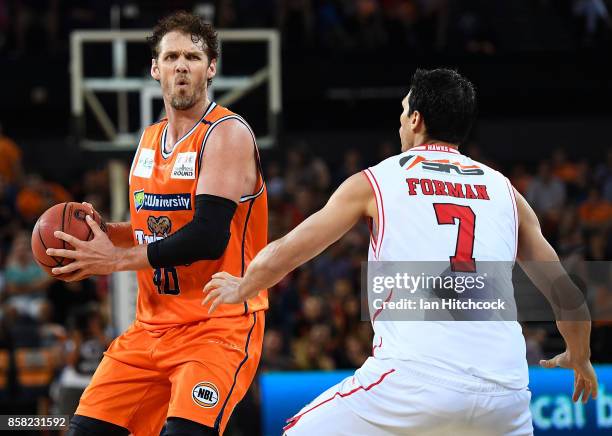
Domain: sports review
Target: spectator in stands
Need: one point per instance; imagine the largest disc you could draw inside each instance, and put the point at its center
(401, 17)
(595, 212)
(36, 196)
(354, 353)
(92, 187)
(9, 224)
(574, 174)
(571, 238)
(563, 168)
(10, 165)
(352, 163)
(578, 190)
(520, 178)
(26, 282)
(274, 356)
(366, 26)
(603, 176)
(322, 179)
(534, 339)
(84, 350)
(296, 168)
(315, 349)
(546, 192)
(300, 208)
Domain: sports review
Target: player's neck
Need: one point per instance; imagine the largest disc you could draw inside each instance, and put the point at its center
(427, 141)
(182, 121)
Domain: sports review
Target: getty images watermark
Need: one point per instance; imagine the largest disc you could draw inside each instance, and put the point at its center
(492, 291)
(408, 283)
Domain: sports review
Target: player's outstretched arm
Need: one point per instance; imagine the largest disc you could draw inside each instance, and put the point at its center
(540, 262)
(352, 200)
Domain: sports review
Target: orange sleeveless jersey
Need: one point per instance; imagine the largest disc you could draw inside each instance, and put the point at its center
(162, 198)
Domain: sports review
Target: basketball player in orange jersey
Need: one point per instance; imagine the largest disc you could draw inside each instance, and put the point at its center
(198, 206)
(430, 203)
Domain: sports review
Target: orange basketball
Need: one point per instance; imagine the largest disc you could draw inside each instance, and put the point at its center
(67, 217)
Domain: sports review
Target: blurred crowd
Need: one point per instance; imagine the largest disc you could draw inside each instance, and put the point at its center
(474, 26)
(52, 334)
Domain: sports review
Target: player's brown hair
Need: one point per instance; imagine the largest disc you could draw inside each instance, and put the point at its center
(190, 24)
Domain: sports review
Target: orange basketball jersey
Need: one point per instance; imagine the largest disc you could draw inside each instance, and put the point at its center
(162, 198)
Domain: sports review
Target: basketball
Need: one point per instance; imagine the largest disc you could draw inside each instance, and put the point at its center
(67, 217)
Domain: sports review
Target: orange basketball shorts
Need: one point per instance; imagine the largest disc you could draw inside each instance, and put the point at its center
(196, 371)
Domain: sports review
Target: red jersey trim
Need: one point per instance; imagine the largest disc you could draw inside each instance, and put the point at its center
(380, 234)
(378, 312)
(516, 222)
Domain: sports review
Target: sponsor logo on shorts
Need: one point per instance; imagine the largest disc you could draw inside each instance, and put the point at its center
(161, 202)
(205, 394)
(184, 166)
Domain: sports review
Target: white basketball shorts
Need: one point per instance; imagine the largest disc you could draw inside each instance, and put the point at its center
(390, 397)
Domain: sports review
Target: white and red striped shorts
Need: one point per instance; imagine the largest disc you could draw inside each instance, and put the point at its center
(390, 397)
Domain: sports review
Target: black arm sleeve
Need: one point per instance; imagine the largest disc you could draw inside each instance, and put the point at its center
(204, 238)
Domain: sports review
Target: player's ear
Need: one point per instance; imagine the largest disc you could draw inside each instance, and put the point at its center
(416, 121)
(155, 69)
(212, 69)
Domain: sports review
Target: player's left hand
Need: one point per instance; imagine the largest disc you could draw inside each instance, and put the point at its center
(223, 288)
(94, 257)
(585, 379)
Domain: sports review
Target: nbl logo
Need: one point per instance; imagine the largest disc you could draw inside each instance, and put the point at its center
(205, 394)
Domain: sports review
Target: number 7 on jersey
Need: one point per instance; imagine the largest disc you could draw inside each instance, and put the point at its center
(463, 259)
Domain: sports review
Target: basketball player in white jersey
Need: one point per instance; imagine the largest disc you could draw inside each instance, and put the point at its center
(429, 203)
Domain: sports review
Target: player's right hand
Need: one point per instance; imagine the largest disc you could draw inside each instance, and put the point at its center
(585, 379)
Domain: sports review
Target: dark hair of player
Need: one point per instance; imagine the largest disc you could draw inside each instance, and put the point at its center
(447, 102)
(189, 24)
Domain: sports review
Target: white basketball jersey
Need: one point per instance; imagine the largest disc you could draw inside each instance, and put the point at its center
(435, 204)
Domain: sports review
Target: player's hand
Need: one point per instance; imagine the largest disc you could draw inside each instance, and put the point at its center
(94, 257)
(89, 206)
(223, 288)
(585, 379)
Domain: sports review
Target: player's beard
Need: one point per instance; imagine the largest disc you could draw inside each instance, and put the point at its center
(183, 101)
